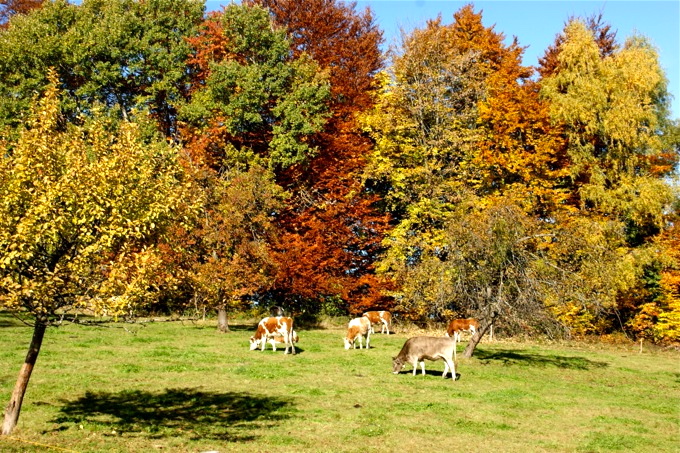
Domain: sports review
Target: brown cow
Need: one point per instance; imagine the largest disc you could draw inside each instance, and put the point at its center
(384, 318)
(458, 325)
(358, 328)
(418, 349)
(271, 327)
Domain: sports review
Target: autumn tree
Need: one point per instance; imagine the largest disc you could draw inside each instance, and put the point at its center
(81, 207)
(254, 109)
(232, 258)
(325, 234)
(331, 228)
(612, 109)
(125, 54)
(424, 130)
(458, 120)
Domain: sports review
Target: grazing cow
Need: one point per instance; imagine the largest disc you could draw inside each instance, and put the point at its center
(279, 339)
(384, 318)
(271, 327)
(417, 349)
(358, 328)
(458, 325)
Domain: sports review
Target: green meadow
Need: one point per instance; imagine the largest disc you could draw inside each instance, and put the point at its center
(182, 386)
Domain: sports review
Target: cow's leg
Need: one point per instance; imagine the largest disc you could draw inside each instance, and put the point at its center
(451, 366)
(368, 339)
(273, 345)
(456, 336)
(422, 367)
(287, 339)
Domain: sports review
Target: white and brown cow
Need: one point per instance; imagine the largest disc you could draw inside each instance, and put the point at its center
(358, 328)
(272, 327)
(458, 325)
(382, 318)
(279, 339)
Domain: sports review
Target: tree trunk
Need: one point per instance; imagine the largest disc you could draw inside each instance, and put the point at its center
(14, 407)
(477, 337)
(222, 320)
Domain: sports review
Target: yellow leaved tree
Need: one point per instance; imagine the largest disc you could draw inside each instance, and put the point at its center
(80, 209)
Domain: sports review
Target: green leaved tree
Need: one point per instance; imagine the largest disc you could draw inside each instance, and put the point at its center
(125, 54)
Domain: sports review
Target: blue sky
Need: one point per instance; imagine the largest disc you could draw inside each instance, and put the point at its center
(535, 23)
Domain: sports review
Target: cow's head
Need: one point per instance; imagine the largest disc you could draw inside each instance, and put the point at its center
(397, 364)
(348, 343)
(255, 343)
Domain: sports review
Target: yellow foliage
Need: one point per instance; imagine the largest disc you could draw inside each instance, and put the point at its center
(79, 208)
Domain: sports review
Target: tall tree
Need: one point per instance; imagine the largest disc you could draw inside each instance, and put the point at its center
(424, 128)
(612, 108)
(331, 229)
(458, 120)
(255, 105)
(80, 210)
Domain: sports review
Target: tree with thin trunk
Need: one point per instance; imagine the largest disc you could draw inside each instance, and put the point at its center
(80, 210)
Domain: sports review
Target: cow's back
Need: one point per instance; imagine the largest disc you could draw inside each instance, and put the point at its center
(461, 324)
(426, 348)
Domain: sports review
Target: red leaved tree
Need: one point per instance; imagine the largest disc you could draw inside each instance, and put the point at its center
(331, 230)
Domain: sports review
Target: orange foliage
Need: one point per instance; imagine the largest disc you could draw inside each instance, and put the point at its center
(331, 231)
(519, 149)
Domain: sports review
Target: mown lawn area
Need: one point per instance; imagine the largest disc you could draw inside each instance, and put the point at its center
(182, 386)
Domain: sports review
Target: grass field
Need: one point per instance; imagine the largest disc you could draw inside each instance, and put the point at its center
(174, 387)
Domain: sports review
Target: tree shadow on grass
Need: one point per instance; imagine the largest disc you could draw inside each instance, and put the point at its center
(9, 320)
(508, 357)
(183, 412)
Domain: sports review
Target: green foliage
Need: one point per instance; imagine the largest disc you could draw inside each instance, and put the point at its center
(257, 101)
(80, 208)
(125, 54)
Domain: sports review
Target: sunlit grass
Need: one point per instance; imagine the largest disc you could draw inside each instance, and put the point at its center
(169, 386)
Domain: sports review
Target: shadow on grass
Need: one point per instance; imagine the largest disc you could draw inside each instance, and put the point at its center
(9, 320)
(508, 357)
(184, 412)
(429, 373)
